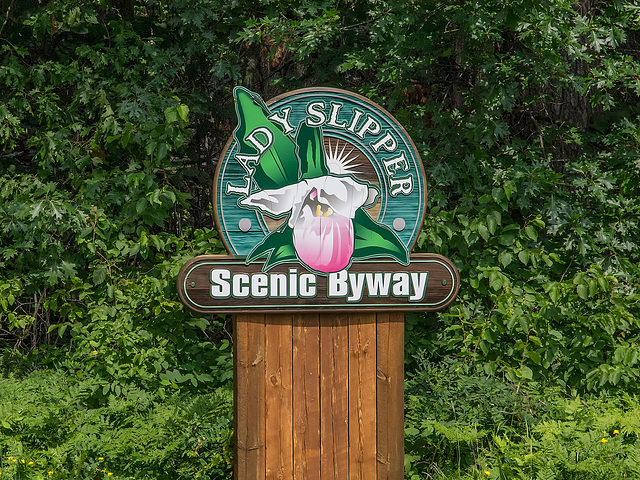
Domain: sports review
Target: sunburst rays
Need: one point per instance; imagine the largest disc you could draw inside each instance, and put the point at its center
(340, 161)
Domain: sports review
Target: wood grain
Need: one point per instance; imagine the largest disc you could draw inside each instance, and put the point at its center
(306, 397)
(249, 396)
(362, 397)
(334, 396)
(195, 287)
(278, 398)
(390, 396)
(319, 396)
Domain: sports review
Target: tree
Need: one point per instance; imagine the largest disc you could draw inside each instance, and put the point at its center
(113, 114)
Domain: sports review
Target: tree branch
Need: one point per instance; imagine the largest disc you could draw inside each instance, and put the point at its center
(6, 18)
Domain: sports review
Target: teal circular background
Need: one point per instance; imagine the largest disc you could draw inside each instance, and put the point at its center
(230, 217)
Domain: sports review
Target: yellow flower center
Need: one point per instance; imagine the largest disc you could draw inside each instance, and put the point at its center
(325, 214)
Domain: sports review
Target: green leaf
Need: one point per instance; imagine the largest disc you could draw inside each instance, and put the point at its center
(523, 256)
(372, 240)
(604, 376)
(507, 239)
(484, 199)
(183, 111)
(496, 281)
(278, 164)
(282, 254)
(311, 152)
(534, 356)
(509, 188)
(171, 115)
(411, 431)
(277, 246)
(499, 197)
(492, 224)
(489, 336)
(631, 357)
(68, 268)
(162, 150)
(99, 275)
(141, 205)
(531, 232)
(526, 372)
(483, 231)
(614, 378)
(505, 258)
(583, 291)
(35, 209)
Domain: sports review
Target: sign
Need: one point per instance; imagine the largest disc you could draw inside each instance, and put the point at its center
(319, 197)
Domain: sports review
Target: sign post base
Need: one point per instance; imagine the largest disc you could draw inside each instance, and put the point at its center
(319, 396)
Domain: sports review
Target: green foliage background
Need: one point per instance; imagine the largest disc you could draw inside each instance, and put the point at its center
(526, 114)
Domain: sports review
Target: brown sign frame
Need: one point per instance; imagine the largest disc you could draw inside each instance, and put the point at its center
(431, 277)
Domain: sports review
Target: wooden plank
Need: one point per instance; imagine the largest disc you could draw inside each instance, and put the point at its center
(362, 396)
(278, 397)
(306, 397)
(390, 396)
(319, 396)
(334, 396)
(249, 395)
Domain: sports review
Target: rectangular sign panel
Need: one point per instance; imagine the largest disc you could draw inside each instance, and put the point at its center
(224, 284)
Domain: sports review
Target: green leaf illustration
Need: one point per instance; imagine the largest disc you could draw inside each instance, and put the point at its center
(376, 240)
(311, 152)
(278, 165)
(278, 246)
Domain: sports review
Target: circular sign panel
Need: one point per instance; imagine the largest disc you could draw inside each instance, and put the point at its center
(322, 177)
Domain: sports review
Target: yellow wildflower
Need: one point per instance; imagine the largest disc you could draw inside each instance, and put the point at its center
(30, 463)
(109, 474)
(604, 440)
(95, 352)
(50, 472)
(487, 473)
(100, 458)
(23, 461)
(616, 432)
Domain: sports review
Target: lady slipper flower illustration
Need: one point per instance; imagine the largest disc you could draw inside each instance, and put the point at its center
(321, 216)
(326, 225)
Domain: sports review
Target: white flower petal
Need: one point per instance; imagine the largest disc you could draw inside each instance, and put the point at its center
(344, 195)
(274, 202)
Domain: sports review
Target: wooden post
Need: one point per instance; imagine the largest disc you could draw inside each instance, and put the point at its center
(319, 396)
(249, 396)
